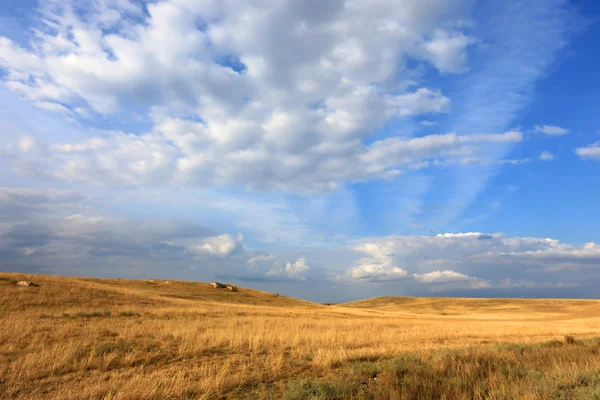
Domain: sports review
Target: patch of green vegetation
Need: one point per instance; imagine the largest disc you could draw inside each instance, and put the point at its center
(364, 369)
(84, 314)
(504, 372)
(315, 390)
(151, 346)
(552, 343)
(129, 314)
(103, 349)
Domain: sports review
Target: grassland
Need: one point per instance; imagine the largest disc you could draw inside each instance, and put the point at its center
(75, 338)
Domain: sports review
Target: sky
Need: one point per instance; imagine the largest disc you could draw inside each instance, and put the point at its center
(329, 151)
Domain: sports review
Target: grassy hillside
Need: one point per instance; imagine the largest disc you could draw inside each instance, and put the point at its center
(512, 308)
(79, 338)
(65, 291)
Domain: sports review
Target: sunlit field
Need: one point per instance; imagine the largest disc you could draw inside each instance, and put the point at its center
(75, 338)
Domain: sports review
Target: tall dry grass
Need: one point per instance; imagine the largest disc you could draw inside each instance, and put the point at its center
(92, 339)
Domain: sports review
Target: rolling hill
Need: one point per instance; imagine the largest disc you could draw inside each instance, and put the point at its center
(88, 338)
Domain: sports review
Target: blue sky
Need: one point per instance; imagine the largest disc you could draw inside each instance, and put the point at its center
(329, 151)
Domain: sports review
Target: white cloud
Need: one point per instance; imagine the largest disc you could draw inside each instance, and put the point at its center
(546, 156)
(555, 255)
(295, 270)
(222, 245)
(378, 265)
(551, 130)
(298, 268)
(451, 279)
(428, 123)
(263, 265)
(474, 259)
(53, 107)
(307, 110)
(441, 277)
(590, 152)
(47, 234)
(26, 144)
(186, 152)
(378, 272)
(447, 51)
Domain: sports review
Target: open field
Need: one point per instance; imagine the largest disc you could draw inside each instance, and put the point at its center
(75, 338)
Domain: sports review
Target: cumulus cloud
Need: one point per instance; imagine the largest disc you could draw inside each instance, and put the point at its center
(384, 271)
(447, 51)
(60, 231)
(589, 152)
(89, 243)
(546, 156)
(296, 270)
(449, 278)
(222, 245)
(181, 153)
(551, 130)
(377, 265)
(470, 260)
(441, 277)
(232, 108)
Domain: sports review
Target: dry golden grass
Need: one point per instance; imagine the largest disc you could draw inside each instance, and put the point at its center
(75, 338)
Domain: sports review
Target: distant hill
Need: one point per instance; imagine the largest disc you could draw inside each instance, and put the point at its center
(55, 291)
(471, 306)
(65, 291)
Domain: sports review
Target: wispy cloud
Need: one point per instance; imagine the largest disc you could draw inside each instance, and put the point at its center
(502, 83)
